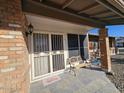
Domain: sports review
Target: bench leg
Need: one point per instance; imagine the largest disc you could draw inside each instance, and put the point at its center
(73, 70)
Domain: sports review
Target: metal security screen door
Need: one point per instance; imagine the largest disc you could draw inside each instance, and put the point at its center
(48, 54)
(41, 60)
(57, 52)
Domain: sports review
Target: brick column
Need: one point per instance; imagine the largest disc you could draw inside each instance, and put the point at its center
(104, 49)
(14, 77)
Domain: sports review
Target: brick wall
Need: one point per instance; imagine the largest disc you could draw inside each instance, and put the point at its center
(14, 67)
(11, 12)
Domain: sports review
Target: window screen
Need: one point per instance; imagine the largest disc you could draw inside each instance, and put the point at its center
(57, 42)
(73, 42)
(41, 42)
(73, 45)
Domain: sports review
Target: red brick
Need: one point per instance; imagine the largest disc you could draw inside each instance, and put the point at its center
(2, 90)
(16, 48)
(4, 61)
(6, 44)
(8, 69)
(20, 37)
(3, 32)
(20, 44)
(15, 33)
(17, 40)
(4, 40)
(7, 53)
(7, 36)
(2, 65)
(20, 52)
(3, 49)
(2, 57)
(16, 56)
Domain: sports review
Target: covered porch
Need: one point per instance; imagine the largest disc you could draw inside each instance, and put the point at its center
(62, 26)
(60, 31)
(51, 43)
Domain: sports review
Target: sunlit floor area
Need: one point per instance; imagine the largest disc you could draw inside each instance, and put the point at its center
(85, 81)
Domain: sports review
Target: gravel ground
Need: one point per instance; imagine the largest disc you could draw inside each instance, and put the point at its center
(118, 69)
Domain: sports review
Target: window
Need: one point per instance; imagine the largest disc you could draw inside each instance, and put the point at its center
(57, 42)
(73, 45)
(41, 42)
(73, 42)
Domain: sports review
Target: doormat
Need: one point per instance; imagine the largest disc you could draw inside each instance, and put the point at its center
(50, 80)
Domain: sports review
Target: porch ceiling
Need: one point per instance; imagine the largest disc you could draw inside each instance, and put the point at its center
(56, 26)
(95, 13)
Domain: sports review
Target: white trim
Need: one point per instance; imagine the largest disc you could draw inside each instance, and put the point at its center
(87, 36)
(79, 44)
(29, 56)
(32, 57)
(50, 49)
(65, 48)
(60, 52)
(48, 32)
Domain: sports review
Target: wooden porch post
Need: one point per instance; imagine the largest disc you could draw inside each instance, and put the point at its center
(104, 49)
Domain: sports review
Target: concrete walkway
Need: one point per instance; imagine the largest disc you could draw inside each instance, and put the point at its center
(86, 81)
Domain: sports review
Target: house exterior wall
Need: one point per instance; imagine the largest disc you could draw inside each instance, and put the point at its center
(45, 25)
(13, 49)
(49, 25)
(54, 25)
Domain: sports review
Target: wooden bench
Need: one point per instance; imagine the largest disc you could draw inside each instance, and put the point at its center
(76, 62)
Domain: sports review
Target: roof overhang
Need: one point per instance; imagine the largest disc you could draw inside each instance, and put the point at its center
(42, 23)
(94, 13)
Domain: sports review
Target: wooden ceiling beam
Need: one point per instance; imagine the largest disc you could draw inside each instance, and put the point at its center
(67, 3)
(110, 7)
(116, 17)
(88, 8)
(108, 16)
(119, 21)
(38, 0)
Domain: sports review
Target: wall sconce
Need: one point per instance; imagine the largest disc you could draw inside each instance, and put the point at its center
(29, 30)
